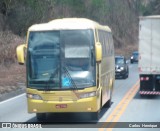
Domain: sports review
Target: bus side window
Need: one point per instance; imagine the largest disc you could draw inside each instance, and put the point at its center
(108, 44)
(106, 39)
(101, 41)
(112, 46)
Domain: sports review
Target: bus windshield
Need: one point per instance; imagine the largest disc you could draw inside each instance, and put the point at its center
(50, 52)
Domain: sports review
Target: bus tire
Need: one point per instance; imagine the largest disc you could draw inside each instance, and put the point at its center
(41, 116)
(109, 102)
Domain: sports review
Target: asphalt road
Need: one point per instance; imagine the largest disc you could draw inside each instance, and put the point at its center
(127, 106)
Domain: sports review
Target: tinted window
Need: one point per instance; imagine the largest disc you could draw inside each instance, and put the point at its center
(119, 60)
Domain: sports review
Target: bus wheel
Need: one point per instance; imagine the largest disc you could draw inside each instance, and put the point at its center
(108, 103)
(41, 116)
(95, 115)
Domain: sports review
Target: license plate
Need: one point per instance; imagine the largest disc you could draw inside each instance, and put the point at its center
(61, 106)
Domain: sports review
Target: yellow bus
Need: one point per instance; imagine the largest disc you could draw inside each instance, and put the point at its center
(70, 67)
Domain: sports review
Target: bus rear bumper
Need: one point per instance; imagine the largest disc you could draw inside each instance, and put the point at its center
(81, 105)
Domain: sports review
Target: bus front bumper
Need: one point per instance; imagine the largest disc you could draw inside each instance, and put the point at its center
(81, 105)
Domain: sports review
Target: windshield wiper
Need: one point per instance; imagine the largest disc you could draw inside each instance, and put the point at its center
(72, 81)
(48, 82)
(51, 79)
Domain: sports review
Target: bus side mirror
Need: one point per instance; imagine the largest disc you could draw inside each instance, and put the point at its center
(21, 54)
(98, 52)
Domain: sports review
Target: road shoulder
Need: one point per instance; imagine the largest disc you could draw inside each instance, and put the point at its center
(13, 93)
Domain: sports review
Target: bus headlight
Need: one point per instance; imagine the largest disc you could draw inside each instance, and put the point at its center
(89, 94)
(34, 96)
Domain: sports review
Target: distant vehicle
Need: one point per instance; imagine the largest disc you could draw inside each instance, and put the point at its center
(134, 57)
(121, 67)
(70, 67)
(149, 55)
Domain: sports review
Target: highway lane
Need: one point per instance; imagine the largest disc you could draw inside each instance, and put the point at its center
(122, 86)
(15, 110)
(138, 109)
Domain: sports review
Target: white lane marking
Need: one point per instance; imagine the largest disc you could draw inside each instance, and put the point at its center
(12, 98)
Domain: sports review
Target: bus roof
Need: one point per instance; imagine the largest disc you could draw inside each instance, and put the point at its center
(68, 24)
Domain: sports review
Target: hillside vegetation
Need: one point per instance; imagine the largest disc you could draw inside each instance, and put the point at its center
(121, 15)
